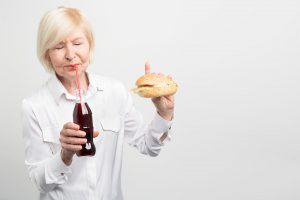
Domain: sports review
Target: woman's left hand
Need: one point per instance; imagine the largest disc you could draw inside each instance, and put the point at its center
(165, 104)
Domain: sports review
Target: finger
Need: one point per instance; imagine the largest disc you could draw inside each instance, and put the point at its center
(96, 133)
(156, 99)
(71, 147)
(170, 97)
(72, 140)
(147, 68)
(71, 125)
(72, 133)
(170, 100)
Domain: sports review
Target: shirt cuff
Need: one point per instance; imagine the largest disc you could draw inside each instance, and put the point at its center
(56, 170)
(159, 126)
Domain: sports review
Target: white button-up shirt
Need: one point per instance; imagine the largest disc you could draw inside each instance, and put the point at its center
(114, 116)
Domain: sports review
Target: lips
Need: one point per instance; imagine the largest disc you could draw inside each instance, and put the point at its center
(71, 66)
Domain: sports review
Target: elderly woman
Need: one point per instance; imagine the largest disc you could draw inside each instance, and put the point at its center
(52, 139)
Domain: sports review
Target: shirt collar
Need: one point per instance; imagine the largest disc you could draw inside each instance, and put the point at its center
(58, 90)
(95, 84)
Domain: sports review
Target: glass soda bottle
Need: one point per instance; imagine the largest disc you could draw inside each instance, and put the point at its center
(82, 115)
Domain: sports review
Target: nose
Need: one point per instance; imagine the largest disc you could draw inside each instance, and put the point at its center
(70, 54)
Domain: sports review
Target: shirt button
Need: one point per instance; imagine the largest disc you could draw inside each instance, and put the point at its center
(62, 174)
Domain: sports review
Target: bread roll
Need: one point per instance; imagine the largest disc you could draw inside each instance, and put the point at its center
(155, 85)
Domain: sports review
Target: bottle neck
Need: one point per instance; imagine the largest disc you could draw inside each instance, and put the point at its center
(80, 96)
(81, 99)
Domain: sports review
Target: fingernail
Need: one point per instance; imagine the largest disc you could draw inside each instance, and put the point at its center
(83, 133)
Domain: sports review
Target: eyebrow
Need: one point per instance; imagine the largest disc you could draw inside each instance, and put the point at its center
(78, 38)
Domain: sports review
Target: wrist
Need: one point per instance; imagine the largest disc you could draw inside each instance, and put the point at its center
(66, 157)
(166, 115)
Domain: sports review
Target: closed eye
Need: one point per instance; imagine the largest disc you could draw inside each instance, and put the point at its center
(59, 47)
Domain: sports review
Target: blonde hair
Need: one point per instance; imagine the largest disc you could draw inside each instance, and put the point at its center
(55, 26)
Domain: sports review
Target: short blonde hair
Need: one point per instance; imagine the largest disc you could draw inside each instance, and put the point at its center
(55, 26)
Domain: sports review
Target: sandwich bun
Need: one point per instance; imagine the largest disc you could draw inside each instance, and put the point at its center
(155, 85)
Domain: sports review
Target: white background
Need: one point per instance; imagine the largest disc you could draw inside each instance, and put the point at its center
(236, 129)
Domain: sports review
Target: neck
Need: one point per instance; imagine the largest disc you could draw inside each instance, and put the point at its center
(70, 83)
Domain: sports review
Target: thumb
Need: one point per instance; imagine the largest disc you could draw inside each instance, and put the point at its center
(147, 68)
(95, 134)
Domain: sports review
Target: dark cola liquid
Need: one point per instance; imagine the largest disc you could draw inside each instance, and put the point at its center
(85, 121)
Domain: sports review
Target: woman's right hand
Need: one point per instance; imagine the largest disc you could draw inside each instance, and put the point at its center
(71, 139)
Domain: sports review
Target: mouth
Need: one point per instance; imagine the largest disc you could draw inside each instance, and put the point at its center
(72, 67)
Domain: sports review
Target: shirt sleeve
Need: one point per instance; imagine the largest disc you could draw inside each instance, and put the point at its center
(145, 137)
(46, 168)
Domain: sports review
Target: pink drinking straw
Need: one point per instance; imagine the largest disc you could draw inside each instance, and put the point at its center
(77, 81)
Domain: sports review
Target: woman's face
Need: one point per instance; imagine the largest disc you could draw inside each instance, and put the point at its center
(74, 49)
